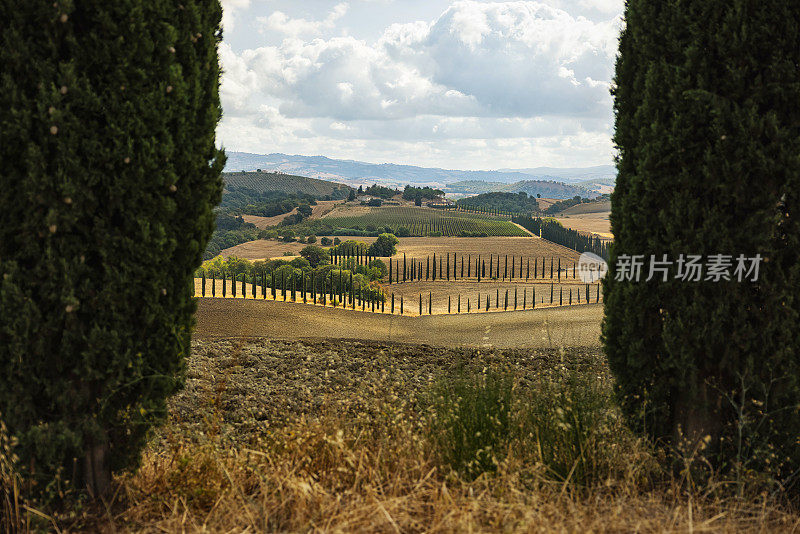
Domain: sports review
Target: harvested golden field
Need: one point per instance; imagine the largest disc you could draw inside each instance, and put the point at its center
(419, 247)
(526, 247)
(541, 328)
(588, 218)
(519, 294)
(348, 436)
(589, 223)
(261, 249)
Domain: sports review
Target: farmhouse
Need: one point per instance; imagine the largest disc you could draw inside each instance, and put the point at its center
(369, 200)
(441, 203)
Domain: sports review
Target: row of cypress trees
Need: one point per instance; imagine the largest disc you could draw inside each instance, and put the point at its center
(354, 295)
(414, 270)
(310, 284)
(552, 230)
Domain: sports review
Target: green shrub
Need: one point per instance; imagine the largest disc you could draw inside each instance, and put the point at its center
(570, 424)
(471, 420)
(562, 420)
(108, 113)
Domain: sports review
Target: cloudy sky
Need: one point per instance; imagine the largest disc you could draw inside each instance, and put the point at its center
(456, 84)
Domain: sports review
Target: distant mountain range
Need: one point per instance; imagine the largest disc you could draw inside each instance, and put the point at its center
(578, 181)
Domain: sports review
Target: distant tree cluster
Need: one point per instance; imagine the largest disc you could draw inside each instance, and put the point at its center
(421, 193)
(243, 201)
(561, 205)
(379, 191)
(230, 231)
(502, 202)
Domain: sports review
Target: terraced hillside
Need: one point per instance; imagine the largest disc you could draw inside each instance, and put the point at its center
(287, 183)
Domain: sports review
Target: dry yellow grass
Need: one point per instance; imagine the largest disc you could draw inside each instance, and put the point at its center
(341, 468)
(332, 476)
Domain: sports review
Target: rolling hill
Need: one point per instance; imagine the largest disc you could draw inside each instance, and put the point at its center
(392, 175)
(286, 183)
(545, 188)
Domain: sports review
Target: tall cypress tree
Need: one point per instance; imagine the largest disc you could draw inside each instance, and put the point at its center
(708, 132)
(110, 173)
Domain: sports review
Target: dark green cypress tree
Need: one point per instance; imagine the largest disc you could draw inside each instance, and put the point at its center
(109, 176)
(203, 288)
(706, 106)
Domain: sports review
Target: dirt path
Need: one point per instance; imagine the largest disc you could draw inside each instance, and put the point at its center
(577, 326)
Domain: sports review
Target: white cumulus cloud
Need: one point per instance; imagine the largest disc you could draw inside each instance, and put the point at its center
(492, 76)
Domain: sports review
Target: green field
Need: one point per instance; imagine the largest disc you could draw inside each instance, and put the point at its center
(423, 222)
(287, 183)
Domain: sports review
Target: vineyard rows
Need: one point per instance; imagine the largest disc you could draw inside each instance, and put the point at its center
(422, 222)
